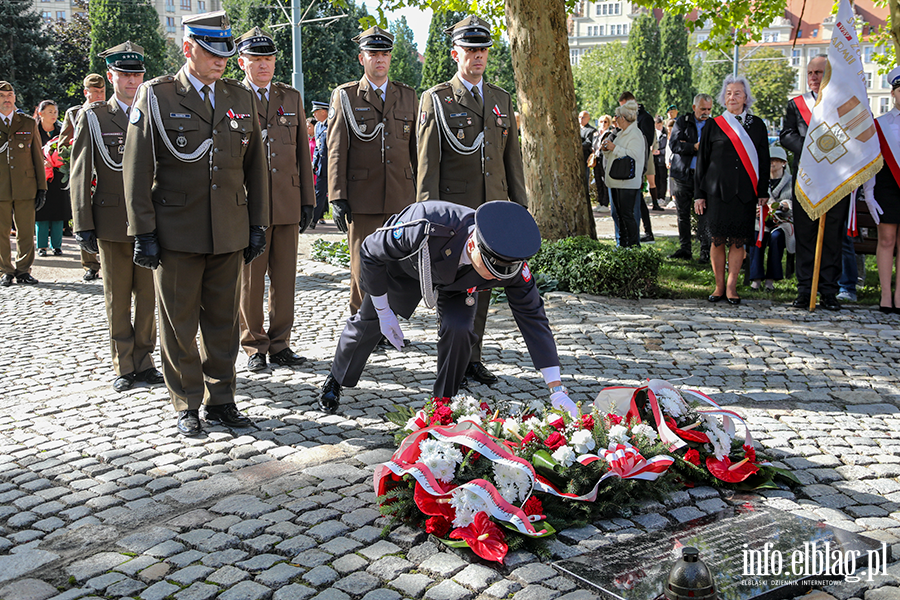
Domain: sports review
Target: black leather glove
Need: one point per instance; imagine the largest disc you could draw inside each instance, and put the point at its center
(340, 210)
(87, 239)
(306, 216)
(146, 250)
(39, 199)
(257, 243)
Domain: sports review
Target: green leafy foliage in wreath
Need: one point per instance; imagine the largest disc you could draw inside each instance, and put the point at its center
(333, 253)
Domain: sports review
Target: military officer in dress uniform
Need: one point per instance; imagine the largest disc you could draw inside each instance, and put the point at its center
(100, 221)
(23, 187)
(469, 146)
(291, 202)
(320, 160)
(94, 91)
(371, 149)
(444, 253)
(196, 190)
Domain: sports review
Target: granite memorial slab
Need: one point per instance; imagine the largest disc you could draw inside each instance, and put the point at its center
(754, 553)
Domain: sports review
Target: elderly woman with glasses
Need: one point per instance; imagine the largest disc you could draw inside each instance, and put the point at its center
(731, 179)
(626, 193)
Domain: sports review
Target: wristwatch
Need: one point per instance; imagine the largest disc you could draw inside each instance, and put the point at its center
(558, 388)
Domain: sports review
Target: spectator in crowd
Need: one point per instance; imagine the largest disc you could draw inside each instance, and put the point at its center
(672, 112)
(778, 230)
(320, 161)
(670, 196)
(728, 188)
(659, 159)
(311, 137)
(886, 200)
(49, 220)
(629, 142)
(645, 124)
(588, 132)
(604, 123)
(684, 143)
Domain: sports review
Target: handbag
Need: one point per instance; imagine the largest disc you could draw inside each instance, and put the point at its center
(622, 168)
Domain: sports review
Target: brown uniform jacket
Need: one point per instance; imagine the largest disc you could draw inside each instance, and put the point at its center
(444, 173)
(356, 171)
(22, 175)
(206, 206)
(104, 210)
(290, 170)
(67, 135)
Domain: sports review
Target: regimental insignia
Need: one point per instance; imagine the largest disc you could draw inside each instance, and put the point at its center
(827, 142)
(526, 272)
(406, 127)
(21, 145)
(121, 148)
(282, 120)
(398, 230)
(423, 117)
(245, 140)
(181, 141)
(362, 127)
(448, 99)
(505, 132)
(470, 301)
(135, 115)
(460, 135)
(469, 121)
(331, 113)
(234, 124)
(499, 122)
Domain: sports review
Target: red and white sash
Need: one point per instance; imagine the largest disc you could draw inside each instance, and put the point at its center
(742, 143)
(890, 143)
(805, 104)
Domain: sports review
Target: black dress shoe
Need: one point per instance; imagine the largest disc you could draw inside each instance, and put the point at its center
(384, 343)
(287, 358)
(189, 423)
(6, 280)
(733, 301)
(331, 395)
(151, 375)
(124, 382)
(713, 298)
(681, 254)
(888, 310)
(257, 362)
(26, 278)
(91, 275)
(801, 301)
(478, 372)
(647, 238)
(227, 415)
(704, 258)
(42, 252)
(830, 302)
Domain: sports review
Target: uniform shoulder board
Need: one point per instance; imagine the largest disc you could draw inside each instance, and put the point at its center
(403, 85)
(282, 85)
(27, 117)
(439, 87)
(163, 79)
(97, 104)
(497, 87)
(349, 84)
(235, 82)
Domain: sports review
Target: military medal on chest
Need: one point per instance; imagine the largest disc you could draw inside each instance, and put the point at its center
(181, 141)
(461, 134)
(470, 299)
(362, 127)
(233, 124)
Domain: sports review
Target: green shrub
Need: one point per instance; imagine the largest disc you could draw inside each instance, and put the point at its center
(583, 265)
(333, 253)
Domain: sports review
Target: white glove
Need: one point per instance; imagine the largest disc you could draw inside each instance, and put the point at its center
(874, 208)
(387, 320)
(561, 400)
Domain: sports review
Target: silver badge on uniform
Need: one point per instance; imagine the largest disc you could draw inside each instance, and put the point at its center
(362, 127)
(234, 124)
(181, 141)
(470, 300)
(21, 145)
(460, 134)
(282, 120)
(121, 148)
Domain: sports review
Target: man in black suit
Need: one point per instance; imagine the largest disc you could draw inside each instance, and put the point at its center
(588, 132)
(806, 231)
(447, 254)
(685, 142)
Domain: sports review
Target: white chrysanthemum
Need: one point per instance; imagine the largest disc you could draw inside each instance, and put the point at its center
(464, 404)
(644, 430)
(720, 440)
(507, 475)
(466, 504)
(564, 455)
(509, 492)
(582, 441)
(532, 424)
(618, 434)
(671, 402)
(440, 457)
(511, 426)
(475, 418)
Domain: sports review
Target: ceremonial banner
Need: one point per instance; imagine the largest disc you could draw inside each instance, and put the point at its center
(841, 150)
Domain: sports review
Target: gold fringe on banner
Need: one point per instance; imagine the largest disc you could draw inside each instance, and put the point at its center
(817, 209)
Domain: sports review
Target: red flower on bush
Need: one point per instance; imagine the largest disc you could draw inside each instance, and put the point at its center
(587, 421)
(484, 406)
(442, 415)
(529, 437)
(613, 419)
(693, 457)
(555, 440)
(533, 506)
(484, 538)
(558, 424)
(438, 526)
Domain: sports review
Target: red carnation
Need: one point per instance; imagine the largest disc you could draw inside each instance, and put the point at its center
(529, 437)
(558, 424)
(554, 441)
(438, 526)
(484, 406)
(442, 415)
(533, 506)
(614, 419)
(750, 453)
(587, 421)
(441, 401)
(693, 457)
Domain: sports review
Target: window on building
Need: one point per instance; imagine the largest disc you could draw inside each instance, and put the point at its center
(815, 32)
(170, 25)
(867, 54)
(702, 37)
(799, 33)
(170, 5)
(47, 16)
(766, 38)
(574, 55)
(625, 29)
(775, 36)
(813, 52)
(201, 6)
(618, 8)
(604, 8)
(869, 79)
(619, 30)
(185, 4)
(884, 82)
(597, 10)
(795, 58)
(885, 105)
(61, 15)
(600, 30)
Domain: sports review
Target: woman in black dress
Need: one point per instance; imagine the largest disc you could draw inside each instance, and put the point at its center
(887, 195)
(731, 179)
(49, 221)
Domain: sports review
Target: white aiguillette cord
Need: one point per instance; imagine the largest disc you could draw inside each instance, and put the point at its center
(458, 146)
(353, 126)
(424, 254)
(97, 139)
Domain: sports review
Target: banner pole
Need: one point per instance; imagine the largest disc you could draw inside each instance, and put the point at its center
(818, 264)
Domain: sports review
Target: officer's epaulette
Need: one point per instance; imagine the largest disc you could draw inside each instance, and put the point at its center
(441, 86)
(234, 82)
(284, 85)
(403, 85)
(496, 87)
(161, 79)
(97, 104)
(349, 84)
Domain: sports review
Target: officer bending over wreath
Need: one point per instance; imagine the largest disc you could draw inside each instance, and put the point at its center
(446, 254)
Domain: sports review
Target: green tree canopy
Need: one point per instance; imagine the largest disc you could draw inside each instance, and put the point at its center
(115, 21)
(676, 84)
(771, 79)
(71, 53)
(405, 65)
(24, 59)
(643, 78)
(439, 65)
(713, 69)
(600, 77)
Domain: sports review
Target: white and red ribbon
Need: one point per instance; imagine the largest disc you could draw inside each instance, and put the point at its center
(743, 144)
(805, 104)
(763, 214)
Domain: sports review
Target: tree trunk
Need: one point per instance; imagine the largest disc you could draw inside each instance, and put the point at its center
(551, 142)
(895, 26)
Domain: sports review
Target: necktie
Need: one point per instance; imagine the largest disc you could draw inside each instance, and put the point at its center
(739, 119)
(477, 96)
(263, 101)
(207, 93)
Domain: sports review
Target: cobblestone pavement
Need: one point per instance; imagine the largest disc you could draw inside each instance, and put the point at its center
(100, 498)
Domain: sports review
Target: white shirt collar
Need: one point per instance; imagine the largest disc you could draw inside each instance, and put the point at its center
(479, 85)
(267, 87)
(464, 258)
(197, 84)
(8, 118)
(122, 105)
(381, 90)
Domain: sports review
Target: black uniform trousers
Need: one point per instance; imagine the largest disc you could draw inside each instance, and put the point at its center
(683, 190)
(806, 232)
(456, 334)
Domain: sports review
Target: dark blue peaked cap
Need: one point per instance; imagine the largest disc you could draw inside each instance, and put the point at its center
(507, 235)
